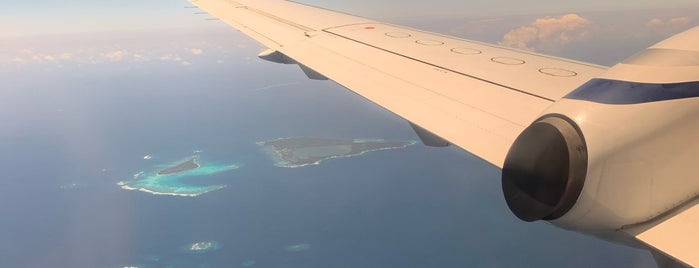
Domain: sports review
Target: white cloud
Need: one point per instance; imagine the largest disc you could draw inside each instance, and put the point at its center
(86, 50)
(141, 57)
(548, 33)
(197, 51)
(175, 58)
(116, 55)
(65, 56)
(19, 60)
(654, 23)
(669, 26)
(29, 55)
(171, 57)
(92, 59)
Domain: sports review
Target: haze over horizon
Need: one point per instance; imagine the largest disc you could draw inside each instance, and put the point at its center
(36, 17)
(594, 32)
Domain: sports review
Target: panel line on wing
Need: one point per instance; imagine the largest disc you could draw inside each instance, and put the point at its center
(498, 47)
(441, 67)
(435, 96)
(256, 32)
(282, 20)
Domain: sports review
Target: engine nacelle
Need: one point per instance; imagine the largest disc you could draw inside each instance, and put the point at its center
(620, 150)
(545, 169)
(594, 166)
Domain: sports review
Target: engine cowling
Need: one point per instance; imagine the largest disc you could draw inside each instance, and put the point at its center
(544, 172)
(620, 150)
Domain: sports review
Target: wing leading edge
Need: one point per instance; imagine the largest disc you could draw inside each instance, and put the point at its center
(476, 96)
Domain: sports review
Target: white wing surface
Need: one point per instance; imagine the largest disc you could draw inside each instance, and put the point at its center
(676, 234)
(474, 95)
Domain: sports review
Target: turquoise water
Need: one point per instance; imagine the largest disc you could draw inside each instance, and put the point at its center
(172, 184)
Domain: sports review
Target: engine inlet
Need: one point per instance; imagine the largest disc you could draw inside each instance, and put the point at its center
(545, 169)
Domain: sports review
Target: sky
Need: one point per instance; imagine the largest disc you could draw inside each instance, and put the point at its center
(54, 17)
(596, 31)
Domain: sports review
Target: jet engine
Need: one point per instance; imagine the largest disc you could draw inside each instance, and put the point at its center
(621, 150)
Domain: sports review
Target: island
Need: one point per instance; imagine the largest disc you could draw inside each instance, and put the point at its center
(188, 165)
(302, 151)
(204, 246)
(172, 180)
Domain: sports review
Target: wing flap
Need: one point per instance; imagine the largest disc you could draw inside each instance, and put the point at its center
(477, 101)
(675, 235)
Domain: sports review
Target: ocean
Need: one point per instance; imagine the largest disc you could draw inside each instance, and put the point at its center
(70, 134)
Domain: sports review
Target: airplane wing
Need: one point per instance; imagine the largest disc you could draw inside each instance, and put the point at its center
(675, 234)
(473, 95)
(477, 96)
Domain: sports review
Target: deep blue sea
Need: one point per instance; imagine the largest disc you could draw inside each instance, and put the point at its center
(69, 135)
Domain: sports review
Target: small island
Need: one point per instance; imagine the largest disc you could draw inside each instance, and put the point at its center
(199, 246)
(302, 151)
(188, 165)
(171, 180)
(204, 246)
